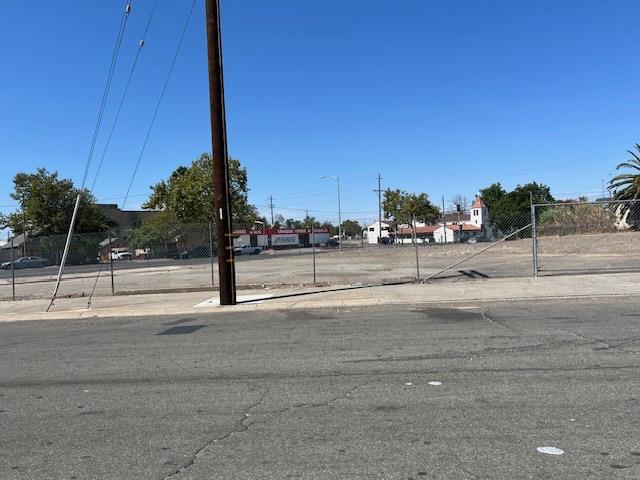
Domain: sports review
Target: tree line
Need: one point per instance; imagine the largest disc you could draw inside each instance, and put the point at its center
(46, 202)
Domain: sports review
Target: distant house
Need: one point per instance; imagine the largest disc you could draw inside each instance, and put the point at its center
(373, 232)
(456, 233)
(456, 227)
(109, 245)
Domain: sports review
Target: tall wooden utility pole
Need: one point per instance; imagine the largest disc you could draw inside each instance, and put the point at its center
(271, 208)
(222, 204)
(379, 190)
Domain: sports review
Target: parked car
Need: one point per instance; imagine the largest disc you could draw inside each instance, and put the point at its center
(26, 262)
(199, 251)
(247, 250)
(122, 255)
(330, 243)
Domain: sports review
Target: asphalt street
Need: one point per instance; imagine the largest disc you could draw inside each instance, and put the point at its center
(397, 392)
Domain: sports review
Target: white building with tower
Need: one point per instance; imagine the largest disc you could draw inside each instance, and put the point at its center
(452, 228)
(479, 215)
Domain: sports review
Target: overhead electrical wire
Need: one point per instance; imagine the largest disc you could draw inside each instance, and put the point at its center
(124, 93)
(323, 191)
(107, 87)
(155, 113)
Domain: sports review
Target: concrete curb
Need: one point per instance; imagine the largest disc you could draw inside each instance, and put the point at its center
(267, 305)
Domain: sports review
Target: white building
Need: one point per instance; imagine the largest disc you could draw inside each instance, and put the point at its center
(479, 213)
(456, 228)
(456, 233)
(373, 232)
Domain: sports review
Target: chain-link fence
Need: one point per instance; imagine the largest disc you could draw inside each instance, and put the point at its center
(35, 265)
(500, 248)
(568, 237)
(583, 237)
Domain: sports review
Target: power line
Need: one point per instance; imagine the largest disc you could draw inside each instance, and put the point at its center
(164, 88)
(124, 94)
(107, 88)
(312, 210)
(322, 191)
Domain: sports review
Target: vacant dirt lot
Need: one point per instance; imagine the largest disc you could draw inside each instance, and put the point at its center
(356, 264)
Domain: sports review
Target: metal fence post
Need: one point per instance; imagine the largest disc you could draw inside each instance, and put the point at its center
(534, 238)
(13, 275)
(113, 287)
(415, 244)
(211, 254)
(313, 249)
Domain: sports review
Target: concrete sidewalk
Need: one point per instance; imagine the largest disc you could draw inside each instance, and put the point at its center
(504, 289)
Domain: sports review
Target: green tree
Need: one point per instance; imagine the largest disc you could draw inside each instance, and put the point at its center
(351, 228)
(333, 229)
(626, 186)
(512, 210)
(188, 194)
(492, 195)
(401, 206)
(46, 206)
(158, 230)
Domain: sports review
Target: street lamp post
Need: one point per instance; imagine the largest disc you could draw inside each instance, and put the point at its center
(337, 179)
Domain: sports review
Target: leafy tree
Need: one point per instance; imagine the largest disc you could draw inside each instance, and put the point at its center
(157, 230)
(333, 230)
(188, 193)
(46, 206)
(511, 210)
(351, 228)
(492, 195)
(626, 186)
(402, 206)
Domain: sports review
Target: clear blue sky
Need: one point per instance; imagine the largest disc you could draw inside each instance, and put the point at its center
(441, 97)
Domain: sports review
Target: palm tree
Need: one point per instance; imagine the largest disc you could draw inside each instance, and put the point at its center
(626, 186)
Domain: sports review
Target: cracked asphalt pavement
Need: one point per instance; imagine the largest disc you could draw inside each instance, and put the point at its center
(340, 393)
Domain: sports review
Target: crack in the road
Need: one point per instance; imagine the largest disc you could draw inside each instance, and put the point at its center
(329, 403)
(241, 427)
(496, 323)
(467, 354)
(582, 337)
(624, 342)
(333, 401)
